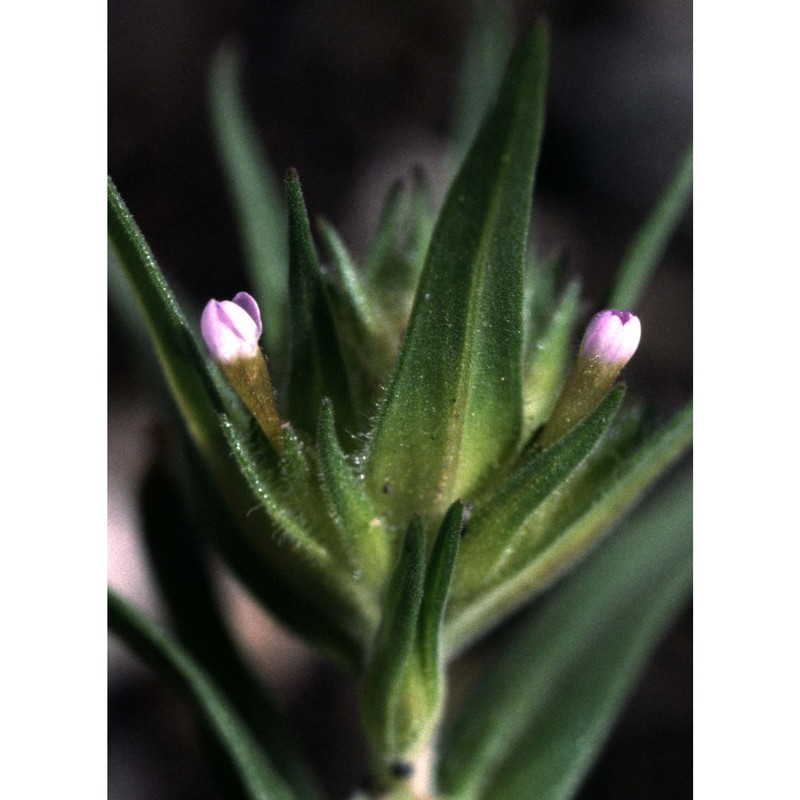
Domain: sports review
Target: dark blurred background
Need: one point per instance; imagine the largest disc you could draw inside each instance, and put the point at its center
(353, 93)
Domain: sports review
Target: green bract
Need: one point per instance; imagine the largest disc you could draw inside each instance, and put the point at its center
(408, 507)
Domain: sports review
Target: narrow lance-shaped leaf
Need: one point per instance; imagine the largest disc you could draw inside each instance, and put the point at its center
(359, 305)
(453, 409)
(539, 279)
(317, 369)
(181, 570)
(260, 212)
(421, 219)
(382, 695)
(363, 531)
(262, 561)
(126, 313)
(550, 359)
(651, 581)
(302, 548)
(322, 620)
(269, 497)
(548, 559)
(650, 243)
(259, 779)
(179, 565)
(404, 687)
(556, 754)
(301, 491)
(434, 601)
(485, 54)
(377, 263)
(367, 343)
(192, 382)
(295, 550)
(496, 527)
(542, 708)
(305, 552)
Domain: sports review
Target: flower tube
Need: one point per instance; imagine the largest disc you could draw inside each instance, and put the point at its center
(610, 340)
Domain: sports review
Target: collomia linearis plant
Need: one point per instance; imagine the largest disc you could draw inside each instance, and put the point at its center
(420, 445)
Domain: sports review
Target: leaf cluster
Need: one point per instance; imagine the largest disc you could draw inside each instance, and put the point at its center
(410, 507)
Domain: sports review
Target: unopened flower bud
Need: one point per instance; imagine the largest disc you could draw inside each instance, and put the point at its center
(612, 337)
(610, 340)
(231, 330)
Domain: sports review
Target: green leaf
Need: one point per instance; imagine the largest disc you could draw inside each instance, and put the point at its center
(382, 691)
(126, 315)
(350, 506)
(497, 525)
(302, 491)
(191, 378)
(249, 543)
(181, 570)
(377, 265)
(254, 550)
(547, 558)
(367, 341)
(421, 223)
(453, 409)
(257, 199)
(485, 55)
(268, 568)
(539, 298)
(259, 778)
(179, 565)
(650, 243)
(542, 709)
(390, 271)
(549, 360)
(310, 549)
(434, 599)
(356, 302)
(293, 530)
(317, 369)
(404, 683)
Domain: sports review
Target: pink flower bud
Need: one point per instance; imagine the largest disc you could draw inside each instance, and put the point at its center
(231, 328)
(610, 340)
(612, 337)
